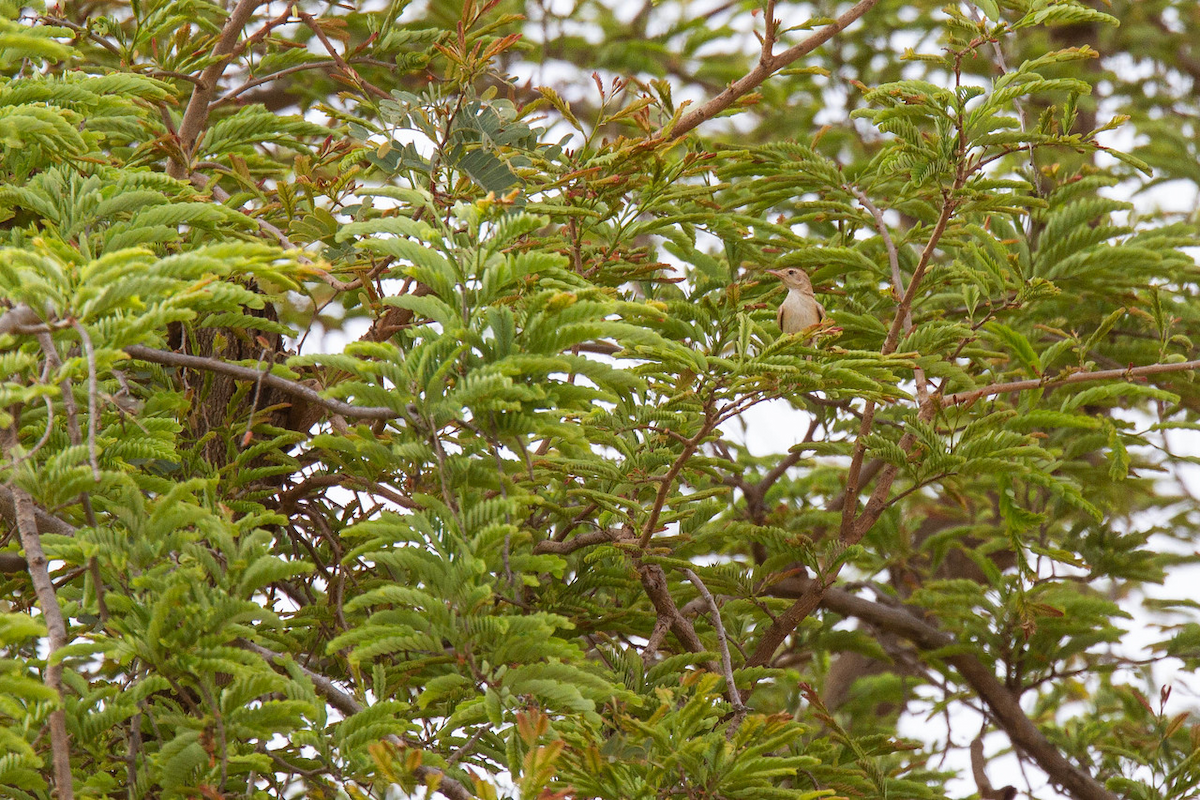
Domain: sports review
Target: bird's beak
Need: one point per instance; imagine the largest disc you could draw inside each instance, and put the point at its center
(778, 273)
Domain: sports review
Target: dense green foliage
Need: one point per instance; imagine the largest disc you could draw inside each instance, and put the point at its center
(500, 522)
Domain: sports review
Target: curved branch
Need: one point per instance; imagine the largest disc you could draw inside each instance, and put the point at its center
(735, 697)
(346, 704)
(578, 543)
(293, 388)
(1003, 704)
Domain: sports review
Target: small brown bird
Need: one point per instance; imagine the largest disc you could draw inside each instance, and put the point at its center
(800, 309)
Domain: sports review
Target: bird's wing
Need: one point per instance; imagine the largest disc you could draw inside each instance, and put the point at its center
(820, 311)
(779, 318)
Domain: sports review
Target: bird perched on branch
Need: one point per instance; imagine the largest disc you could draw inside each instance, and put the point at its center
(800, 309)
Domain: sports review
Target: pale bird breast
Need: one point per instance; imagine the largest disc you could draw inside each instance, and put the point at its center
(799, 311)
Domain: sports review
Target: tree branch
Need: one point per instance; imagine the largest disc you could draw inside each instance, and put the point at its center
(731, 690)
(293, 388)
(810, 599)
(654, 581)
(46, 522)
(897, 283)
(853, 528)
(195, 117)
(578, 543)
(855, 525)
(1002, 703)
(668, 480)
(768, 65)
(346, 704)
(93, 392)
(1050, 381)
(350, 71)
(808, 602)
(25, 513)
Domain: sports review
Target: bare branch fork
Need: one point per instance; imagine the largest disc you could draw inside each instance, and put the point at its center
(195, 117)
(654, 582)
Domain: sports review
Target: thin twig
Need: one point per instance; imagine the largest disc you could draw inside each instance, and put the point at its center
(735, 697)
(668, 480)
(766, 67)
(852, 522)
(222, 196)
(461, 751)
(661, 626)
(1001, 63)
(770, 30)
(1002, 702)
(259, 81)
(350, 71)
(897, 283)
(419, 422)
(1050, 381)
(95, 37)
(93, 392)
(949, 204)
(219, 722)
(45, 437)
(892, 254)
(258, 384)
(286, 499)
(132, 750)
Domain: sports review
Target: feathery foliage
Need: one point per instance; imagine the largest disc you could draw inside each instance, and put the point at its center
(373, 416)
